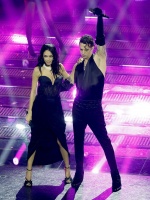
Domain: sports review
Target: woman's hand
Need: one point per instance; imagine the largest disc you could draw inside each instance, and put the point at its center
(29, 116)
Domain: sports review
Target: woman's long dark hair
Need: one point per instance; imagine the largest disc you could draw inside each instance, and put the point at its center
(55, 63)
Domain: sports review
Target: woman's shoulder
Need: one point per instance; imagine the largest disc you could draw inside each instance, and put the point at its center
(36, 71)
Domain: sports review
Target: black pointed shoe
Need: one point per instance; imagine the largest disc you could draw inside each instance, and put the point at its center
(77, 180)
(116, 182)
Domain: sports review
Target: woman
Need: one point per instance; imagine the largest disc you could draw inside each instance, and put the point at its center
(45, 114)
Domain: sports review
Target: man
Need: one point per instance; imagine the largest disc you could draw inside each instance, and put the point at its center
(43, 7)
(88, 75)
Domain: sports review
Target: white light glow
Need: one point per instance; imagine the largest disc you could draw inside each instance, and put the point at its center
(98, 167)
(15, 161)
(76, 41)
(68, 119)
(74, 92)
(20, 126)
(140, 108)
(19, 38)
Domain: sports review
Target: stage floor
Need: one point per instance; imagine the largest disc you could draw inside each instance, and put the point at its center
(48, 185)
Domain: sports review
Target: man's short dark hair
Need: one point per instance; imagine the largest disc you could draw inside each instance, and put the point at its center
(87, 39)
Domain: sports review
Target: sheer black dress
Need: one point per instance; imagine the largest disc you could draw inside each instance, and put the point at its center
(48, 123)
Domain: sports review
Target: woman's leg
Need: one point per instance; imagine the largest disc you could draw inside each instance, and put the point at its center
(29, 167)
(65, 156)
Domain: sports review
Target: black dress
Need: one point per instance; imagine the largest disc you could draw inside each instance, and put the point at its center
(48, 123)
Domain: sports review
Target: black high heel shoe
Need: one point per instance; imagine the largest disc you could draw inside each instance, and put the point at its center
(77, 180)
(116, 182)
(28, 183)
(68, 180)
(31, 51)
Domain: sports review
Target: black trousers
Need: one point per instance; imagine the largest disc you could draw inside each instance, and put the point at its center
(91, 113)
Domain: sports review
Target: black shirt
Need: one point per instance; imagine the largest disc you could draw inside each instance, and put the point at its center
(89, 82)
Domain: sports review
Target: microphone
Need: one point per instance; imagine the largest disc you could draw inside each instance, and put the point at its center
(100, 14)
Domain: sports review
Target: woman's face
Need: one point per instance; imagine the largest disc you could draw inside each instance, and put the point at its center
(48, 57)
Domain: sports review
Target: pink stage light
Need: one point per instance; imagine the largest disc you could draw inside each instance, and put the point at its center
(86, 154)
(18, 38)
(91, 19)
(70, 105)
(19, 154)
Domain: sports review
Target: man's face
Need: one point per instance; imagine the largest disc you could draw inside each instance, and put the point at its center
(85, 51)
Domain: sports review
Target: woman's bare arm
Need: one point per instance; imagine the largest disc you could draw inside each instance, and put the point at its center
(33, 92)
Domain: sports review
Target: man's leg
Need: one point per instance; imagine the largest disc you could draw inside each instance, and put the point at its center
(51, 24)
(79, 125)
(30, 11)
(97, 124)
